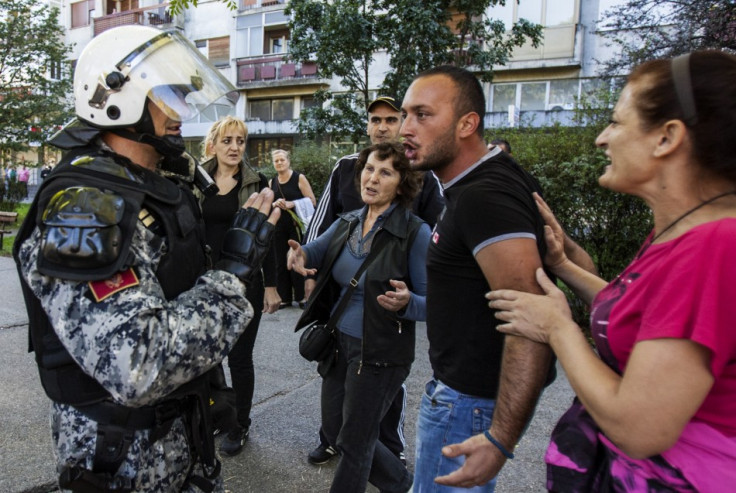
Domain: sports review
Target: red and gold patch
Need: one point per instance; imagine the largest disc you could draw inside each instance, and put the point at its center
(102, 290)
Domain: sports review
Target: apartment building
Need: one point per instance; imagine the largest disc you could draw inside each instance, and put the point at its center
(537, 87)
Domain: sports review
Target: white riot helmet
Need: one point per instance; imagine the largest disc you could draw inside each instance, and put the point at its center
(122, 68)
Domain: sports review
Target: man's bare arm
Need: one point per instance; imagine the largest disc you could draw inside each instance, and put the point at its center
(524, 368)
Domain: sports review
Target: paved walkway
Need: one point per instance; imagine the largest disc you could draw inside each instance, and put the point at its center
(285, 413)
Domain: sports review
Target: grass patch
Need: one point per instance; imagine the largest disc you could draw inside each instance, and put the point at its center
(7, 247)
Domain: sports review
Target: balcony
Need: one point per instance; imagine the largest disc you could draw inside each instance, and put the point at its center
(269, 69)
(156, 16)
(255, 4)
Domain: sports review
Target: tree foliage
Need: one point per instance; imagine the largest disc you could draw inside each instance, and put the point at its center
(32, 105)
(457, 32)
(342, 36)
(647, 29)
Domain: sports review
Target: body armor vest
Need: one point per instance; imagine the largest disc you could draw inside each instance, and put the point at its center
(168, 208)
(174, 217)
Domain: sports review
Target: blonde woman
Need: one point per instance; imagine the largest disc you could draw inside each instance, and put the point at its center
(224, 146)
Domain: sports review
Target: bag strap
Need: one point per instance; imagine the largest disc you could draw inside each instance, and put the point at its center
(332, 322)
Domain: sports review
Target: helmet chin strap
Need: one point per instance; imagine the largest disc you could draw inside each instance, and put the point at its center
(171, 147)
(145, 133)
(168, 145)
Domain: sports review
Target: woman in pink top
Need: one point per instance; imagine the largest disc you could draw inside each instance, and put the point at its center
(23, 176)
(656, 408)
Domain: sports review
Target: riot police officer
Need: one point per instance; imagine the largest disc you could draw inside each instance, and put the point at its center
(123, 318)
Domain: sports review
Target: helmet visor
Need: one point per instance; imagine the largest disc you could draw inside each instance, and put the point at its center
(176, 77)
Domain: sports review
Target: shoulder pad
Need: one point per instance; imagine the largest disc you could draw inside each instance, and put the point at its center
(105, 163)
(83, 234)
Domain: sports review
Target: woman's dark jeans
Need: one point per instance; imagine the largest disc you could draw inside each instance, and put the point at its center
(353, 405)
(240, 358)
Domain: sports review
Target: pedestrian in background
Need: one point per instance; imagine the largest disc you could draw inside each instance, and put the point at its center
(288, 186)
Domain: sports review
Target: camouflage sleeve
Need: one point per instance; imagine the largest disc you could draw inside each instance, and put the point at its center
(137, 344)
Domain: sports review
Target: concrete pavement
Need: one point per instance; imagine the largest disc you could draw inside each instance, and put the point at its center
(285, 413)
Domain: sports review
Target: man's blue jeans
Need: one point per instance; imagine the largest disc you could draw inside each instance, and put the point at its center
(447, 416)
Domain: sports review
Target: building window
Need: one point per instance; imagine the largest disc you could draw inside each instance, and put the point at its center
(260, 110)
(559, 94)
(548, 13)
(82, 13)
(530, 10)
(504, 95)
(562, 94)
(283, 109)
(55, 70)
(217, 50)
(271, 109)
(308, 102)
(277, 41)
(533, 96)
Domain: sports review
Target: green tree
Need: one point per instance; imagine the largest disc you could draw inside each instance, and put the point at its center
(425, 34)
(647, 29)
(342, 36)
(32, 104)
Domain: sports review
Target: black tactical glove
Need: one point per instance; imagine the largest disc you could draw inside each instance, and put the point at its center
(245, 244)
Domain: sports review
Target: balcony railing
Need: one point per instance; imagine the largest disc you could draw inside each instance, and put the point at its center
(267, 68)
(156, 15)
(254, 4)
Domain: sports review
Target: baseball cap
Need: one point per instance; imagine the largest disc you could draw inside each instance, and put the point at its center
(384, 99)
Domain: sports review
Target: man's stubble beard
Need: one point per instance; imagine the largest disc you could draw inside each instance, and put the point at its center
(441, 154)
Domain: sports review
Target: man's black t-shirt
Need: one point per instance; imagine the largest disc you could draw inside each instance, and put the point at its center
(491, 201)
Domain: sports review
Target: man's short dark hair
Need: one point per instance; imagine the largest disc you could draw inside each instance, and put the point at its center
(470, 97)
(502, 142)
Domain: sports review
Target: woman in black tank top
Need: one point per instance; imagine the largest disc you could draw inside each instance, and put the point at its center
(287, 187)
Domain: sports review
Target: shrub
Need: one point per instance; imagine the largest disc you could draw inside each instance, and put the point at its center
(609, 226)
(10, 196)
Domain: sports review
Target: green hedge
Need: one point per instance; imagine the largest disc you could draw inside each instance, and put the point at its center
(609, 226)
(10, 196)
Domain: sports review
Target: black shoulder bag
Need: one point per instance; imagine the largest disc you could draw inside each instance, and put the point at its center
(317, 342)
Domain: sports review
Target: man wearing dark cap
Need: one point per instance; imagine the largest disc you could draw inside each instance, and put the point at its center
(341, 195)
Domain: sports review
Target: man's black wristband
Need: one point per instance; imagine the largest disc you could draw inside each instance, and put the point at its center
(498, 445)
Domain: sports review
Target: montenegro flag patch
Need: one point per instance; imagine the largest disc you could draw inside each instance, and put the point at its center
(102, 290)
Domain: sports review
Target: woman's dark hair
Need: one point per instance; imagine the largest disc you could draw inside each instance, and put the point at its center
(712, 127)
(410, 181)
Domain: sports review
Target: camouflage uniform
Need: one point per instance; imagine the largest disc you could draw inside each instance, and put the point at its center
(140, 347)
